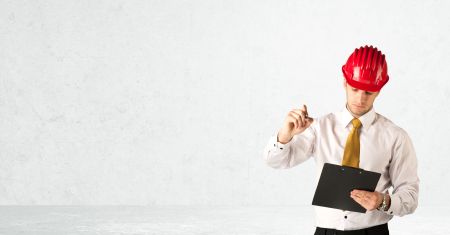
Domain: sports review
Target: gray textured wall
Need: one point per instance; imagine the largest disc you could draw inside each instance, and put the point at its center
(172, 102)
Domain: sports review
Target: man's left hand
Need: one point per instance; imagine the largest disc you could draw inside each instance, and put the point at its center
(368, 200)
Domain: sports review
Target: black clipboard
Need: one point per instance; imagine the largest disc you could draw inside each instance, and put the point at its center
(336, 182)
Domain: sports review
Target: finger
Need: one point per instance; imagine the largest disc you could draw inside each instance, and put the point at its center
(357, 191)
(298, 111)
(291, 119)
(357, 199)
(294, 119)
(365, 194)
(307, 118)
(302, 111)
(368, 196)
(301, 120)
(360, 201)
(364, 198)
(301, 116)
(295, 122)
(360, 194)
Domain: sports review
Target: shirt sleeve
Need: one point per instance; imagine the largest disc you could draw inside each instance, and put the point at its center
(298, 150)
(404, 178)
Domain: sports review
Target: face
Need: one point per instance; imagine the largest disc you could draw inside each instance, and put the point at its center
(359, 102)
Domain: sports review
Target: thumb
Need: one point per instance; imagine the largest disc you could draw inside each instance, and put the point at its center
(309, 120)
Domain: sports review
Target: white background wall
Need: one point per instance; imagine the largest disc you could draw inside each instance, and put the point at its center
(172, 102)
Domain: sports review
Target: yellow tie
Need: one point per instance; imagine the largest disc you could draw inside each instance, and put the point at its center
(351, 151)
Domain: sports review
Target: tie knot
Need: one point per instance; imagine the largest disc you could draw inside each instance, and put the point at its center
(356, 123)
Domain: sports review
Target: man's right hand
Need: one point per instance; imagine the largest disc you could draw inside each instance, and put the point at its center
(295, 123)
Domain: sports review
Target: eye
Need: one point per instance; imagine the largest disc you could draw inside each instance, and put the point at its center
(369, 93)
(354, 89)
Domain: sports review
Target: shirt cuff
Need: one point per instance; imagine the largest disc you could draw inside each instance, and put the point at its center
(394, 207)
(279, 146)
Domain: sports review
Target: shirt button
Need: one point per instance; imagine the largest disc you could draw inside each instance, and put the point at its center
(345, 217)
(281, 148)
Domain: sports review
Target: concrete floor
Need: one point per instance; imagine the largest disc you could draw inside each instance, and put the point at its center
(175, 220)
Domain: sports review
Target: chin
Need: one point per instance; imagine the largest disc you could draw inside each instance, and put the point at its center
(359, 111)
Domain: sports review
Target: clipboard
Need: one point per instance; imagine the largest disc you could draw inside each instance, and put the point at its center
(336, 182)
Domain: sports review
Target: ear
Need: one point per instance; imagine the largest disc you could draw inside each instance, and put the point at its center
(344, 83)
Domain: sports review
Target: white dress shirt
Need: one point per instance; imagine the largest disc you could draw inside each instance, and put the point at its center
(385, 148)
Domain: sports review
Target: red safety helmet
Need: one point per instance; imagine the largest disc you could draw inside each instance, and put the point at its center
(366, 69)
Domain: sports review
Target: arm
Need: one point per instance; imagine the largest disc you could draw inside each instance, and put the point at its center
(298, 150)
(294, 143)
(404, 178)
(403, 172)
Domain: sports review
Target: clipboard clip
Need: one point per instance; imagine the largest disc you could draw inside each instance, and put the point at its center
(360, 171)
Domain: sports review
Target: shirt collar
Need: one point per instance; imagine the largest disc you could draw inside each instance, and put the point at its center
(366, 119)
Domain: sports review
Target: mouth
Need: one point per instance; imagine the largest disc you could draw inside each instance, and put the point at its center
(359, 106)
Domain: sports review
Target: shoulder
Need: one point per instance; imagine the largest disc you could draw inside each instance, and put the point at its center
(325, 121)
(383, 124)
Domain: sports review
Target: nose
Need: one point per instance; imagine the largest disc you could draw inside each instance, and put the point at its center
(360, 97)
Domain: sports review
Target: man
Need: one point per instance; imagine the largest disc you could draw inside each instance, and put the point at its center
(358, 137)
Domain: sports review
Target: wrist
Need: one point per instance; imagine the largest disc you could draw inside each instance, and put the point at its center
(385, 202)
(284, 139)
(388, 201)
